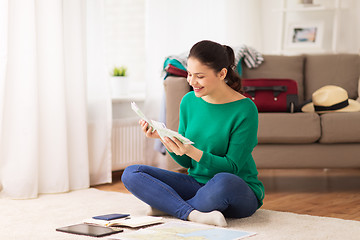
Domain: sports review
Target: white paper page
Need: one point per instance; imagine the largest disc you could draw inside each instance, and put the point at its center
(160, 127)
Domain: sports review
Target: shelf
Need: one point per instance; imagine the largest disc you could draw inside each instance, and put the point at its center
(308, 9)
(311, 11)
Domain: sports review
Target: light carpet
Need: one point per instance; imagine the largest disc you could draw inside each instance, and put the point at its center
(38, 218)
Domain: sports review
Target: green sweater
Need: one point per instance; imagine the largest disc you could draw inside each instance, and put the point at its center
(226, 133)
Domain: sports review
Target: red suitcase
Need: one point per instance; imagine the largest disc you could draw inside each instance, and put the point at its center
(272, 95)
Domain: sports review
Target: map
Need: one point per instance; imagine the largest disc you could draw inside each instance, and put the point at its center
(183, 231)
(160, 127)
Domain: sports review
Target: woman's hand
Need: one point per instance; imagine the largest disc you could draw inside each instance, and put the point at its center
(177, 147)
(172, 145)
(148, 130)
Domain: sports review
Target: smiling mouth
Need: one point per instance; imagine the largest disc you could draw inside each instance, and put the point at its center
(197, 89)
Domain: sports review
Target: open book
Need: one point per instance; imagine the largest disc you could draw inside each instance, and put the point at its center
(132, 222)
(160, 127)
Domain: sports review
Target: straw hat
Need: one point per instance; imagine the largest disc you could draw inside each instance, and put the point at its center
(331, 98)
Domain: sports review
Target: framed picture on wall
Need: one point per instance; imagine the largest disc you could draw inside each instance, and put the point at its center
(304, 36)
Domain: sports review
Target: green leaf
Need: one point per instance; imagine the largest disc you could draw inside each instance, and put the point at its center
(119, 71)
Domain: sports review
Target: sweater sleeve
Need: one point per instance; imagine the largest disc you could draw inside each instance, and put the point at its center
(183, 161)
(242, 142)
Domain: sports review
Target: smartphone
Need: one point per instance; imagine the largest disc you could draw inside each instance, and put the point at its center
(89, 230)
(112, 216)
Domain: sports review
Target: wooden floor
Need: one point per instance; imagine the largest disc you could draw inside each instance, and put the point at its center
(318, 192)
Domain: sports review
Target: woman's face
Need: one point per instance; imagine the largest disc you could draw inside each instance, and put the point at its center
(204, 80)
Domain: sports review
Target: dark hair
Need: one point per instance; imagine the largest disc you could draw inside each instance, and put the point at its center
(217, 57)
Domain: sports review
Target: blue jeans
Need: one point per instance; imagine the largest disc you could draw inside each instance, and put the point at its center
(178, 194)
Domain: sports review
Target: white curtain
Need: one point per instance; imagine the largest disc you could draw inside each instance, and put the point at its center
(172, 27)
(99, 99)
(48, 121)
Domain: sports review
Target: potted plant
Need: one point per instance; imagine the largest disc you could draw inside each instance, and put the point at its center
(119, 71)
(119, 81)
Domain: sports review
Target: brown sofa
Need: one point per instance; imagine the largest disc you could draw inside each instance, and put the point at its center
(297, 140)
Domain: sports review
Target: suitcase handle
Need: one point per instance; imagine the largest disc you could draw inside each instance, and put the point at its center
(276, 89)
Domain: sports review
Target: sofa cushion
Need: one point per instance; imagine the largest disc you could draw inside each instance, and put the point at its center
(275, 66)
(340, 127)
(289, 127)
(342, 70)
(307, 155)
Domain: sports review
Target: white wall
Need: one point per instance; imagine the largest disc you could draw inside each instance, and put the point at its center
(125, 36)
(350, 28)
(172, 27)
(349, 25)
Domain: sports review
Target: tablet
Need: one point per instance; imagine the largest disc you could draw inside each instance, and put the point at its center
(89, 230)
